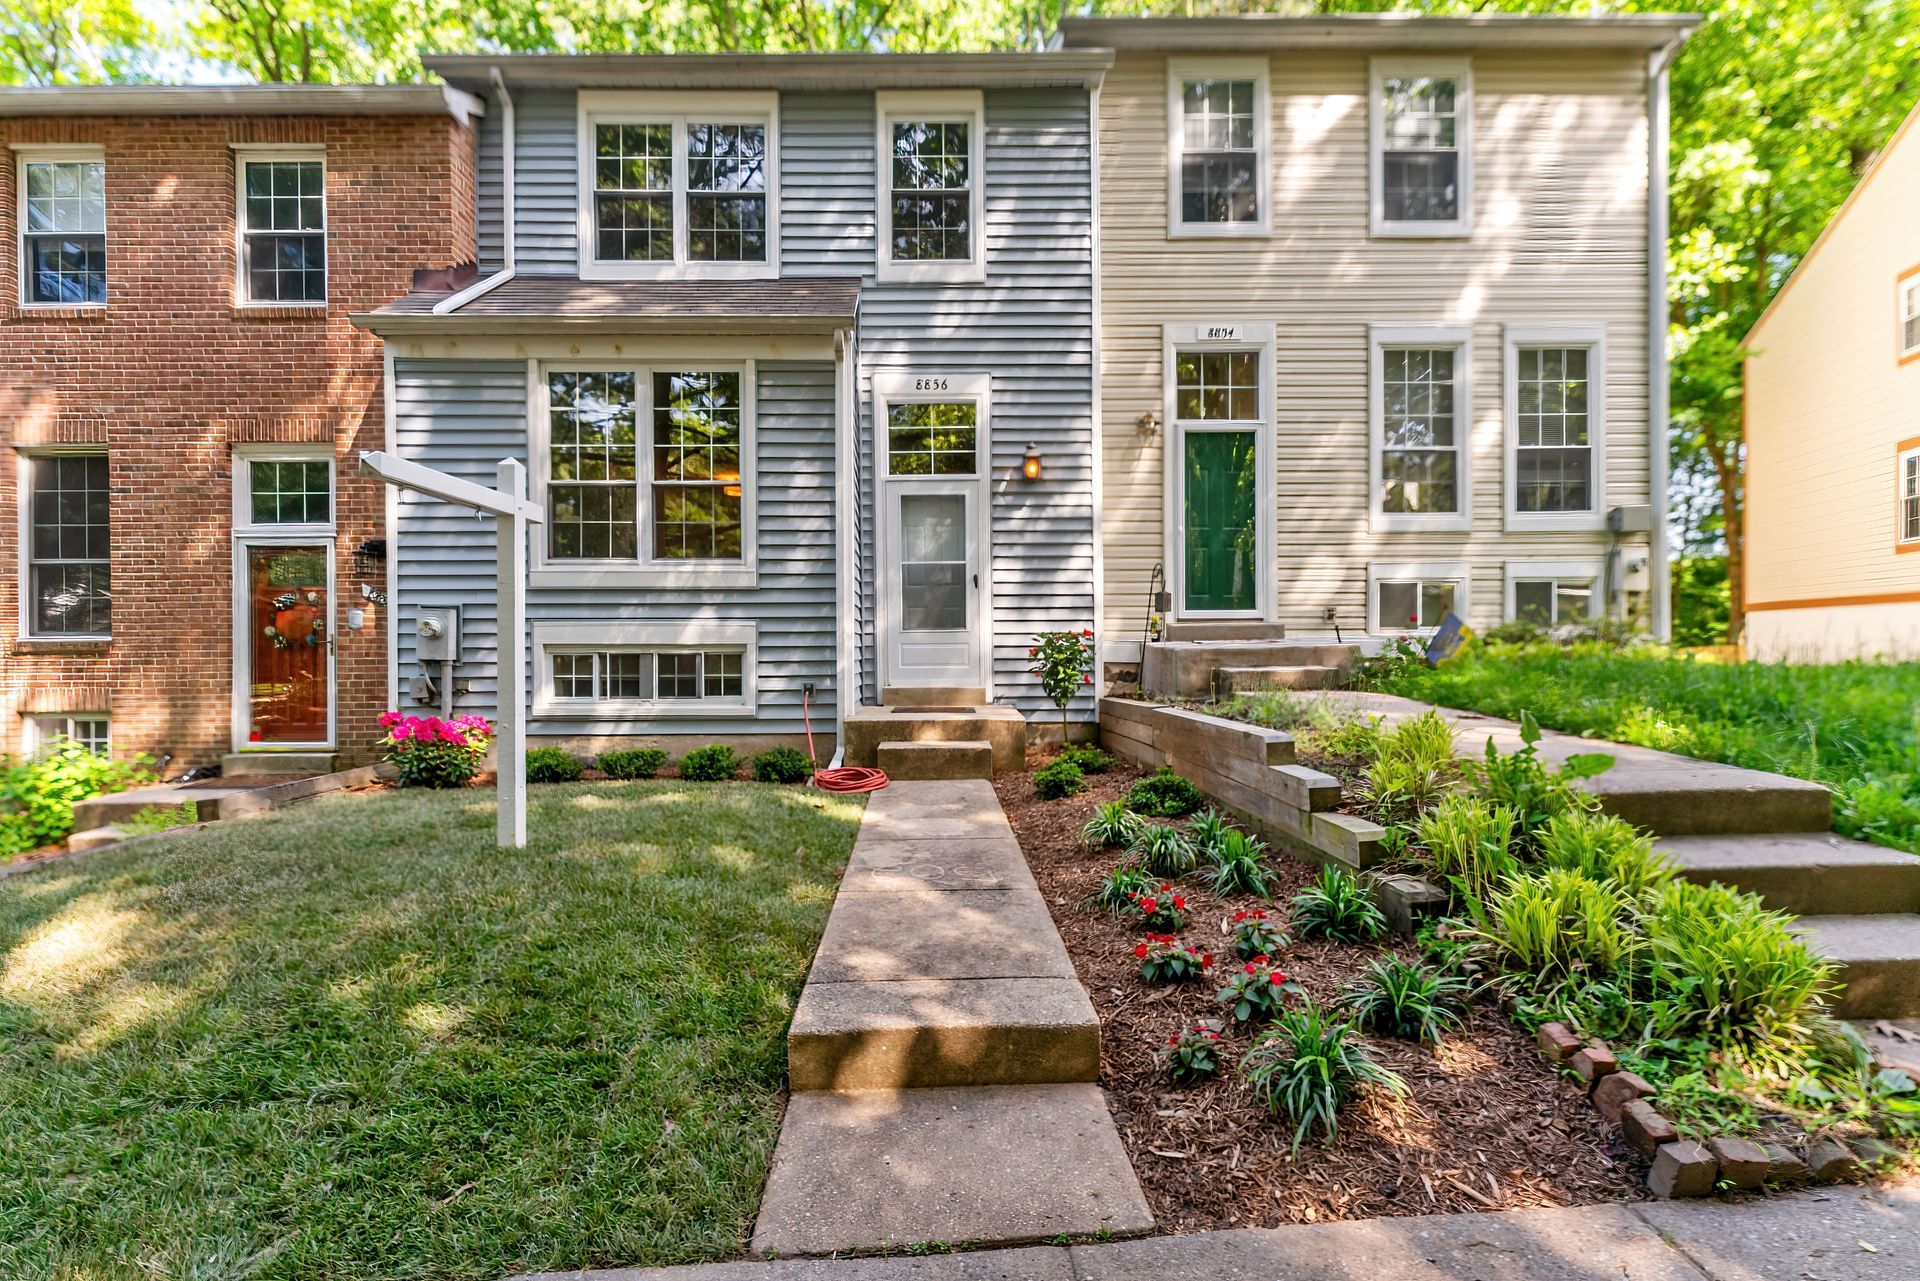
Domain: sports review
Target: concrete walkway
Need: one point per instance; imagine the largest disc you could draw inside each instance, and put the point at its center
(1835, 1234)
(942, 1054)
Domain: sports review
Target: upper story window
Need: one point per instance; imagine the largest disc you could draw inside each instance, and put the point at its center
(1556, 459)
(929, 148)
(1910, 315)
(283, 228)
(69, 593)
(1421, 122)
(1909, 491)
(1421, 429)
(1217, 133)
(677, 184)
(63, 227)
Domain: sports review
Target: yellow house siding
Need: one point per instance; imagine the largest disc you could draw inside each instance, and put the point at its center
(1559, 238)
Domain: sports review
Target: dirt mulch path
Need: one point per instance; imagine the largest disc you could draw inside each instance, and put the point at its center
(1487, 1125)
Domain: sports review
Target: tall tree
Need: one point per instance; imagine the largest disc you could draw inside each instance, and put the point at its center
(49, 42)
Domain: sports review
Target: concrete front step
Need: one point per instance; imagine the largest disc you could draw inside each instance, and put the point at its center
(258, 764)
(933, 695)
(1879, 958)
(1242, 631)
(1240, 680)
(1807, 873)
(1003, 728)
(1185, 669)
(930, 762)
(894, 1169)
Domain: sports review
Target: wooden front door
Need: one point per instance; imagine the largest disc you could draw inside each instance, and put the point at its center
(289, 675)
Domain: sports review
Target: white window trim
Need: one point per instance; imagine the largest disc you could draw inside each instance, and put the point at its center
(1457, 572)
(1593, 338)
(1528, 571)
(891, 107)
(1428, 337)
(1459, 70)
(1906, 304)
(1257, 70)
(1900, 538)
(24, 155)
(30, 738)
(25, 460)
(644, 570)
(687, 635)
(245, 154)
(597, 107)
(245, 456)
(1218, 336)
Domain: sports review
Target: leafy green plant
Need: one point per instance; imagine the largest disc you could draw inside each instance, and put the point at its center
(37, 793)
(1163, 849)
(1058, 780)
(1161, 908)
(1091, 760)
(430, 752)
(1395, 791)
(1398, 998)
(1064, 662)
(1112, 824)
(160, 818)
(1238, 862)
(553, 765)
(632, 762)
(1119, 886)
(1309, 1066)
(1882, 808)
(1346, 739)
(1256, 933)
(1559, 923)
(1165, 959)
(1193, 1054)
(1521, 782)
(1424, 741)
(1337, 906)
(1165, 795)
(1267, 708)
(1605, 848)
(1206, 829)
(1256, 990)
(713, 764)
(782, 765)
(1468, 844)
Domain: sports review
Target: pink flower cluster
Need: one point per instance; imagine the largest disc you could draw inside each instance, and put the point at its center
(462, 731)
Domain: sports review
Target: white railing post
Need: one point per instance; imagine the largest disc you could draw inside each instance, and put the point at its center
(511, 658)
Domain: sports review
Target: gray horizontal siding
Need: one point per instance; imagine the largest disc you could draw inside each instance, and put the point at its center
(464, 416)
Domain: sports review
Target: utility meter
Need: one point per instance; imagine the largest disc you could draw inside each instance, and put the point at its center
(437, 635)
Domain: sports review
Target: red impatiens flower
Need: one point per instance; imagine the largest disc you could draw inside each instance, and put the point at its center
(1262, 959)
(1141, 951)
(1248, 914)
(1149, 906)
(1179, 904)
(1087, 632)
(1206, 960)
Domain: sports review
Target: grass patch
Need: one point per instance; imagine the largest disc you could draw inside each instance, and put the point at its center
(1852, 726)
(353, 1040)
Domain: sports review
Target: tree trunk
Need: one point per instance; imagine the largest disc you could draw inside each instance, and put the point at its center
(1726, 469)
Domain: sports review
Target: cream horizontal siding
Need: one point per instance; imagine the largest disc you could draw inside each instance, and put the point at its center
(1828, 403)
(1559, 183)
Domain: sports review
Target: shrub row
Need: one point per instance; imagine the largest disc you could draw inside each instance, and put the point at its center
(715, 763)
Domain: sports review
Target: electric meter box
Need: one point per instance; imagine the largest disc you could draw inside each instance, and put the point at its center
(436, 635)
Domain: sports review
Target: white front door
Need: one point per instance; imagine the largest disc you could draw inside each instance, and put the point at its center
(933, 584)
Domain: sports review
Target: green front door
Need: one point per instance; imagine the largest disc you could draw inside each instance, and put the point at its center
(1222, 563)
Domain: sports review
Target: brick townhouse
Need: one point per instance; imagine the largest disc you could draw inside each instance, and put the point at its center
(190, 564)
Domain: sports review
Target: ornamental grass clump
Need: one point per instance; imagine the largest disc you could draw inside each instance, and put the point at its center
(1165, 959)
(1165, 795)
(1398, 998)
(1256, 990)
(1413, 765)
(1193, 1054)
(1163, 850)
(430, 752)
(553, 765)
(1309, 1066)
(1469, 845)
(1206, 829)
(1605, 848)
(1111, 825)
(1337, 907)
(1558, 924)
(1238, 865)
(1160, 909)
(1119, 887)
(1256, 933)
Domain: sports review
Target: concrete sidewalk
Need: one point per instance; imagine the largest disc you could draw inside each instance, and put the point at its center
(1833, 1234)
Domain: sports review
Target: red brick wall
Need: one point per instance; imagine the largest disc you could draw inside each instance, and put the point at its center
(172, 375)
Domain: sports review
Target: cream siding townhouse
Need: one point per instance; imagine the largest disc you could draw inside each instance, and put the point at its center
(1375, 339)
(1833, 433)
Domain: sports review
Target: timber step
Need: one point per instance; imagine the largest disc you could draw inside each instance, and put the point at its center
(1239, 680)
(931, 761)
(1807, 873)
(1879, 957)
(1244, 631)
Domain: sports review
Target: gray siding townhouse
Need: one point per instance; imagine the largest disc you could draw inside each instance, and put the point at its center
(800, 353)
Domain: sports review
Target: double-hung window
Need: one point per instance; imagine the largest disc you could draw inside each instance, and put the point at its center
(63, 227)
(1910, 315)
(1421, 428)
(1556, 458)
(1217, 148)
(69, 591)
(647, 669)
(676, 185)
(283, 228)
(930, 192)
(1414, 597)
(1421, 152)
(1907, 523)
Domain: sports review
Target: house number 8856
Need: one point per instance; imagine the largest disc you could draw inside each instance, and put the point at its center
(929, 384)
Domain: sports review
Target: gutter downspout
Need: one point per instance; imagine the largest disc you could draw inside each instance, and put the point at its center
(1659, 389)
(481, 288)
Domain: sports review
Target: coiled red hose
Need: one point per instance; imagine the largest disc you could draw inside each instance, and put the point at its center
(851, 778)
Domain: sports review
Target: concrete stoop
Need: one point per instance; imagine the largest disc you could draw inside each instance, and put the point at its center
(931, 762)
(1194, 668)
(1003, 729)
(1806, 873)
(1246, 680)
(255, 764)
(1879, 958)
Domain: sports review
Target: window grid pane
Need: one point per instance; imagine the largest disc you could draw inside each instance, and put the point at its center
(593, 490)
(723, 675)
(283, 212)
(1554, 454)
(1910, 499)
(1420, 165)
(626, 674)
(68, 545)
(573, 675)
(932, 439)
(1216, 386)
(1219, 159)
(726, 192)
(633, 192)
(679, 675)
(1413, 605)
(932, 213)
(294, 492)
(65, 228)
(696, 466)
(1420, 454)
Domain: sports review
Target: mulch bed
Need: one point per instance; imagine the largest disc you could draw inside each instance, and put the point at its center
(1487, 1124)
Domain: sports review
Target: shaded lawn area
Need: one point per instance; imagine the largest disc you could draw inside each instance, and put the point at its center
(1853, 726)
(353, 1040)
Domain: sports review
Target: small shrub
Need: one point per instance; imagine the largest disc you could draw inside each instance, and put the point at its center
(1120, 886)
(1206, 829)
(1267, 708)
(160, 818)
(1111, 825)
(1522, 783)
(1604, 848)
(1163, 850)
(1424, 741)
(1165, 795)
(1091, 760)
(1308, 1066)
(633, 762)
(553, 765)
(1881, 808)
(1162, 909)
(1400, 999)
(1239, 865)
(1164, 959)
(714, 764)
(1560, 924)
(1337, 907)
(1469, 845)
(1349, 738)
(1193, 1054)
(1064, 662)
(1058, 780)
(1396, 791)
(1256, 933)
(782, 765)
(1256, 990)
(430, 752)
(37, 793)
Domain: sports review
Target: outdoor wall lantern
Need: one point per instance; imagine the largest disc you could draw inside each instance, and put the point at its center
(1030, 465)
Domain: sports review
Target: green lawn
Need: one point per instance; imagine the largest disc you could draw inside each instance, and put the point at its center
(1852, 726)
(354, 1040)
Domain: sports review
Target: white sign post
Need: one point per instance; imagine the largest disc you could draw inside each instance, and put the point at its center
(512, 514)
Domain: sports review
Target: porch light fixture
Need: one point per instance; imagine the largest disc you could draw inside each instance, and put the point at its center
(1030, 464)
